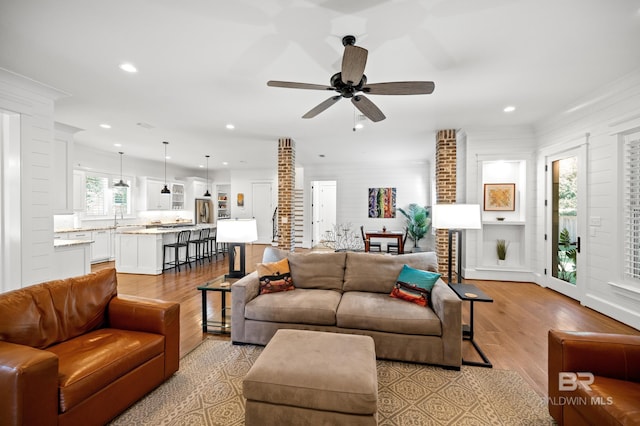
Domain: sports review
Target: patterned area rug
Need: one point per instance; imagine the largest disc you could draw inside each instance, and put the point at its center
(207, 390)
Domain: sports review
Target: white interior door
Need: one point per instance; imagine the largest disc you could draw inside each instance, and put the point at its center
(565, 224)
(324, 208)
(262, 206)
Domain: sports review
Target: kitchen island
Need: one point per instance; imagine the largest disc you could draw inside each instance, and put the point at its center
(139, 251)
(72, 258)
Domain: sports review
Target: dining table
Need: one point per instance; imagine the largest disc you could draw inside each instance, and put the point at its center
(397, 235)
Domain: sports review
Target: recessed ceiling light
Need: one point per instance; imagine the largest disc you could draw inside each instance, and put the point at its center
(230, 126)
(224, 163)
(509, 108)
(117, 144)
(201, 166)
(359, 126)
(168, 157)
(128, 67)
(105, 126)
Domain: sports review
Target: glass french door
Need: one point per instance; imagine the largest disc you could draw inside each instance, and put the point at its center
(566, 204)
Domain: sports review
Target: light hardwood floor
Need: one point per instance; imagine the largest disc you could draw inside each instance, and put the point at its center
(512, 331)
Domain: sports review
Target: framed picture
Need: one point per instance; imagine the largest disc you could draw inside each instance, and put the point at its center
(240, 199)
(499, 196)
(382, 202)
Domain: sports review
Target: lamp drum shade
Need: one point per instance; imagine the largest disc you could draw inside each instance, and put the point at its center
(456, 216)
(237, 231)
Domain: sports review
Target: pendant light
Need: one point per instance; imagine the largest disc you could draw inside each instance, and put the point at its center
(207, 193)
(165, 190)
(122, 183)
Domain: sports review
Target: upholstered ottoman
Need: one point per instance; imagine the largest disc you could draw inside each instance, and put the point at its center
(313, 378)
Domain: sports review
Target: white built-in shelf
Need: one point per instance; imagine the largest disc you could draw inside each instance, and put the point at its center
(504, 222)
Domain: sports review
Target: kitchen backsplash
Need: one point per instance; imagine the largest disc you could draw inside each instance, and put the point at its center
(73, 221)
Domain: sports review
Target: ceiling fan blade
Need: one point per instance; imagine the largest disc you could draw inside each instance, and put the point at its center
(293, 85)
(368, 108)
(400, 88)
(353, 63)
(321, 107)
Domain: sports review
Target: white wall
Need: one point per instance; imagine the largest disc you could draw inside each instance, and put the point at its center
(34, 103)
(412, 183)
(600, 119)
(242, 181)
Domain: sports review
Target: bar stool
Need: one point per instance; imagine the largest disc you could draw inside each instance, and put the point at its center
(201, 243)
(213, 243)
(182, 241)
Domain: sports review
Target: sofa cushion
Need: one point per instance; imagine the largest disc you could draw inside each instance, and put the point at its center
(302, 306)
(94, 360)
(379, 312)
(45, 314)
(378, 273)
(324, 271)
(608, 401)
(274, 276)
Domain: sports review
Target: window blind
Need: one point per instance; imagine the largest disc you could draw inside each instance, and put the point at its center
(631, 208)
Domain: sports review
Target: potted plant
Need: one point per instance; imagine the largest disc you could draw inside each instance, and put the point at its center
(501, 250)
(417, 222)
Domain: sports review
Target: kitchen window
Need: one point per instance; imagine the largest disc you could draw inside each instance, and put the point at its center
(105, 200)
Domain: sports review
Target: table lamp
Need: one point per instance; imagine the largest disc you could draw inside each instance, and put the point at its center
(456, 218)
(236, 232)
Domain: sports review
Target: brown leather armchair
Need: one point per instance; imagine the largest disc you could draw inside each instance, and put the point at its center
(73, 352)
(594, 378)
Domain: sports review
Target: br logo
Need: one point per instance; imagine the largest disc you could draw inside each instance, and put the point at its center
(568, 381)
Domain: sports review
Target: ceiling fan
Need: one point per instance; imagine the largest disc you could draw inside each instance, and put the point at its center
(351, 81)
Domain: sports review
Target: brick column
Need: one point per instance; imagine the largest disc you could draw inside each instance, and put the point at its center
(286, 185)
(446, 159)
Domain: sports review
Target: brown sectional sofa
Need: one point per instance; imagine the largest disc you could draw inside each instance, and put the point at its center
(348, 292)
(73, 352)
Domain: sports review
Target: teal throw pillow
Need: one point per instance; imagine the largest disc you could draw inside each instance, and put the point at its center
(418, 277)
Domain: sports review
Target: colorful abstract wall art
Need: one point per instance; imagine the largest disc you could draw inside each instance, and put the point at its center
(382, 202)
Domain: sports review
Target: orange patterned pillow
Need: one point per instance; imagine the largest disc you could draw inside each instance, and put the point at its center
(275, 276)
(410, 293)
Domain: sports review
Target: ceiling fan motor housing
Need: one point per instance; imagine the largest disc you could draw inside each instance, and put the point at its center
(347, 90)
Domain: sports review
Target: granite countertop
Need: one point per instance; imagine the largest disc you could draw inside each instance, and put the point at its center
(85, 228)
(158, 231)
(67, 243)
(124, 227)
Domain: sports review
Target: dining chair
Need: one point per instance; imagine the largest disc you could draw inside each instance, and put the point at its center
(393, 247)
(372, 246)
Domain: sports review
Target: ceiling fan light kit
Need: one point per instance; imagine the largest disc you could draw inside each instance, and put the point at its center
(351, 81)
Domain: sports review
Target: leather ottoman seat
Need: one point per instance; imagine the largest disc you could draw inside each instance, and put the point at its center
(311, 377)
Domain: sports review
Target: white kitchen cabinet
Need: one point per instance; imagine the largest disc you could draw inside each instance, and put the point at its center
(112, 236)
(150, 197)
(177, 196)
(62, 177)
(101, 247)
(79, 191)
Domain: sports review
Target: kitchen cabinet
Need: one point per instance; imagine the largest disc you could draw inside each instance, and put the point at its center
(62, 170)
(177, 196)
(101, 247)
(79, 191)
(150, 197)
(222, 202)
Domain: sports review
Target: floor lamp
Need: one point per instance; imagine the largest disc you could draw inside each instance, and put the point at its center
(236, 232)
(456, 218)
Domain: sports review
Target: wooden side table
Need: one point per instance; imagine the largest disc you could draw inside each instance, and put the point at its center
(472, 294)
